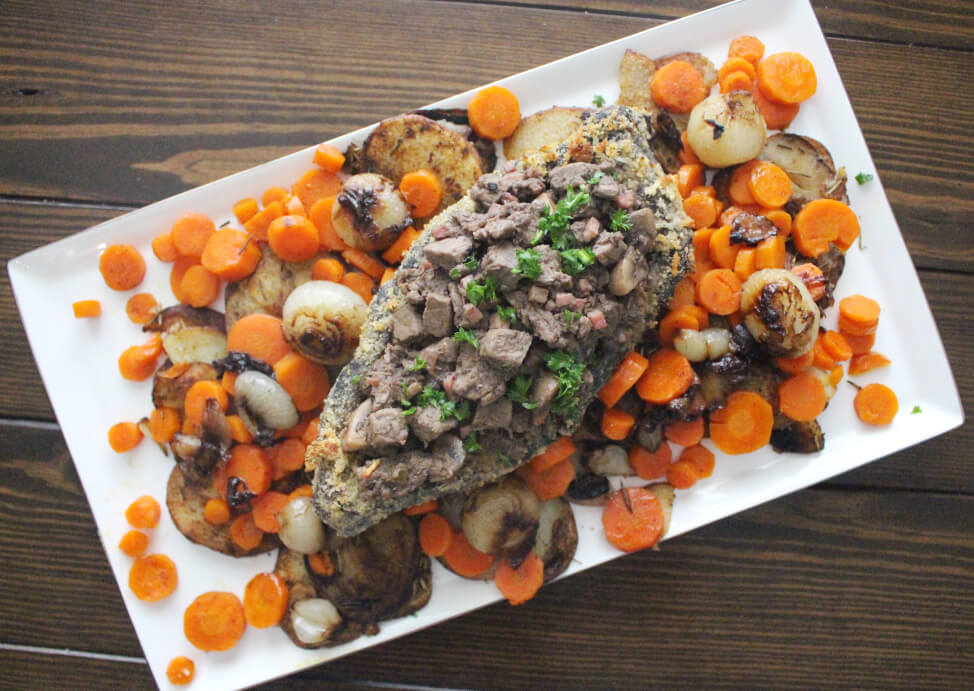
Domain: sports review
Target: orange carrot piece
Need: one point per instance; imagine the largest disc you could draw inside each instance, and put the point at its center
(682, 474)
(781, 220)
(682, 294)
(835, 345)
(859, 311)
(466, 560)
(748, 47)
(848, 327)
(387, 275)
(677, 86)
(435, 535)
(860, 364)
(423, 508)
(633, 519)
(769, 185)
(737, 80)
(305, 381)
(176, 275)
(143, 513)
(293, 206)
(423, 191)
(364, 262)
(310, 433)
(523, 583)
(153, 577)
(274, 194)
(258, 224)
(231, 254)
(835, 375)
(702, 210)
(701, 246)
(320, 215)
(667, 376)
(321, 564)
(876, 404)
(745, 263)
(214, 621)
(86, 308)
(216, 511)
(494, 112)
(316, 184)
(245, 533)
(802, 397)
(397, 250)
(777, 116)
(360, 283)
(141, 308)
(285, 458)
(265, 600)
(794, 365)
(719, 292)
(138, 362)
(556, 452)
(736, 63)
(722, 252)
(550, 483)
(194, 404)
(786, 77)
(329, 158)
(190, 233)
(199, 286)
(301, 491)
(684, 432)
(859, 345)
(266, 508)
(134, 543)
(688, 177)
(770, 253)
(163, 424)
(683, 318)
(813, 278)
(821, 358)
(122, 267)
(163, 247)
(260, 336)
(821, 222)
(701, 458)
(245, 209)
(180, 671)
(617, 424)
(650, 465)
(293, 238)
(687, 155)
(738, 189)
(743, 424)
(250, 463)
(328, 269)
(623, 378)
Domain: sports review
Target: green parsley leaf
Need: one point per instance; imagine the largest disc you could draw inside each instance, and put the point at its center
(519, 389)
(479, 291)
(470, 444)
(571, 316)
(916, 410)
(507, 459)
(576, 261)
(470, 263)
(418, 365)
(598, 100)
(528, 263)
(596, 176)
(464, 336)
(507, 313)
(454, 272)
(555, 223)
(569, 373)
(411, 410)
(356, 379)
(448, 409)
(621, 220)
(863, 178)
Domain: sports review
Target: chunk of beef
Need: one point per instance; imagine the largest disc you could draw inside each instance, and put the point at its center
(528, 188)
(449, 252)
(626, 199)
(494, 230)
(586, 230)
(427, 425)
(606, 188)
(386, 428)
(643, 223)
(496, 415)
(499, 263)
(438, 315)
(477, 380)
(538, 294)
(543, 323)
(471, 317)
(487, 190)
(386, 378)
(609, 248)
(419, 281)
(407, 325)
(505, 347)
(551, 273)
(573, 175)
(440, 356)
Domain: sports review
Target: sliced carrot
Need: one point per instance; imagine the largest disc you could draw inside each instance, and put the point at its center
(859, 364)
(743, 424)
(557, 451)
(667, 376)
(177, 273)
(329, 158)
(321, 564)
(143, 513)
(682, 294)
(682, 318)
(216, 511)
(245, 533)
(327, 269)
(305, 381)
(736, 63)
(387, 275)
(813, 278)
(214, 621)
(360, 283)
(494, 112)
(623, 378)
(285, 458)
(180, 671)
(633, 519)
(245, 209)
(260, 336)
(821, 358)
(769, 185)
(781, 220)
(738, 80)
(836, 346)
(777, 116)
(821, 222)
(688, 177)
(787, 77)
(876, 404)
(265, 600)
(748, 47)
(701, 458)
(249, 463)
(320, 215)
(266, 508)
(802, 397)
(86, 308)
(134, 543)
(745, 263)
(702, 210)
(738, 189)
(199, 286)
(364, 262)
(228, 380)
(677, 86)
(701, 245)
(859, 345)
(722, 252)
(397, 250)
(190, 234)
(138, 362)
(848, 327)
(464, 559)
(682, 474)
(835, 375)
(258, 224)
(435, 535)
(520, 584)
(719, 292)
(684, 432)
(124, 436)
(163, 424)
(794, 365)
(687, 154)
(650, 465)
(617, 424)
(301, 491)
(274, 194)
(153, 577)
(293, 238)
(423, 508)
(294, 207)
(770, 253)
(316, 184)
(122, 267)
(550, 483)
(422, 190)
(163, 247)
(141, 308)
(859, 311)
(194, 404)
(231, 254)
(310, 433)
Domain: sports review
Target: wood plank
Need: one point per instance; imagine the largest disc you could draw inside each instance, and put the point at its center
(111, 120)
(35, 670)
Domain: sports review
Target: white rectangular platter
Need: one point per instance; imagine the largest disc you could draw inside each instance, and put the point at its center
(88, 395)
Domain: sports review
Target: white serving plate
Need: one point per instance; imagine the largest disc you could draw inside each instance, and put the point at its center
(88, 395)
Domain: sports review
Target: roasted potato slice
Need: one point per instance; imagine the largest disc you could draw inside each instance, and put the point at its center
(190, 334)
(635, 74)
(265, 290)
(809, 165)
(407, 142)
(557, 537)
(544, 128)
(169, 385)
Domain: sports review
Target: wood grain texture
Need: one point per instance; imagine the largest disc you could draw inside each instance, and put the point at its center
(31, 670)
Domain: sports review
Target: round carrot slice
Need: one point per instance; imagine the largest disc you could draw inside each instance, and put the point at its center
(787, 77)
(180, 671)
(265, 600)
(743, 424)
(633, 519)
(153, 577)
(214, 621)
(667, 376)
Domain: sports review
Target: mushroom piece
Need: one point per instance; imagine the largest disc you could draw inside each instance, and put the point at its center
(263, 402)
(354, 437)
(369, 212)
(779, 312)
(501, 518)
(557, 537)
(323, 320)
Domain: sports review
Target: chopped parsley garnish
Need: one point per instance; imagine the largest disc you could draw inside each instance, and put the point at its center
(555, 223)
(356, 379)
(464, 336)
(518, 390)
(596, 176)
(598, 100)
(436, 398)
(576, 261)
(470, 444)
(571, 316)
(528, 263)
(470, 263)
(479, 291)
(863, 178)
(418, 365)
(507, 313)
(569, 372)
(621, 220)
(916, 410)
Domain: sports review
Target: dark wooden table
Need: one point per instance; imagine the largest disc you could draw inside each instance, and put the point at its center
(862, 580)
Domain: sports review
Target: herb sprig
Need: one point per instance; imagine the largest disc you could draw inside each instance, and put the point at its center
(465, 336)
(528, 263)
(482, 290)
(518, 390)
(555, 223)
(569, 373)
(576, 261)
